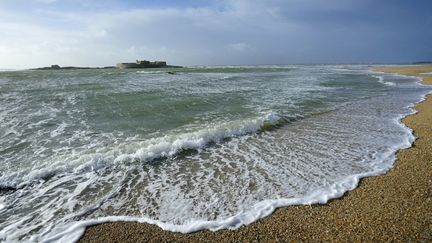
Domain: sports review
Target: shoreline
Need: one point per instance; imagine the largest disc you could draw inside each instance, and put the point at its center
(393, 206)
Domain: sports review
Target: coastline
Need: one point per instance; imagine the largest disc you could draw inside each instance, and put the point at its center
(394, 206)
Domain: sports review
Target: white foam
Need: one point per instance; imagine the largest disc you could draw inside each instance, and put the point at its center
(72, 232)
(150, 72)
(147, 150)
(381, 80)
(418, 80)
(170, 145)
(59, 130)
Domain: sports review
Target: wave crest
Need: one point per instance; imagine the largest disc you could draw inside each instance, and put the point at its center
(144, 151)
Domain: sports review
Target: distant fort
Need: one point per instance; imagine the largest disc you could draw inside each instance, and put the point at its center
(137, 64)
(143, 64)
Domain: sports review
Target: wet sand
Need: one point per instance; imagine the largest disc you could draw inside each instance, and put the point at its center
(396, 206)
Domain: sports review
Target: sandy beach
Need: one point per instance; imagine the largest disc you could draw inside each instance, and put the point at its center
(392, 207)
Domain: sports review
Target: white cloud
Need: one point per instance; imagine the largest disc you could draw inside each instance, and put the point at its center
(181, 36)
(225, 32)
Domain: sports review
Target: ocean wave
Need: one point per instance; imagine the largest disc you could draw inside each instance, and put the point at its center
(171, 145)
(72, 232)
(142, 151)
(381, 80)
(150, 72)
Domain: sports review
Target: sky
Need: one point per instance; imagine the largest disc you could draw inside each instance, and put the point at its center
(35, 33)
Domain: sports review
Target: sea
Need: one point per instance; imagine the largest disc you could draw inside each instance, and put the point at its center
(187, 149)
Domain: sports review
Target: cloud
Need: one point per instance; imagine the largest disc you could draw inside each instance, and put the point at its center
(183, 36)
(86, 32)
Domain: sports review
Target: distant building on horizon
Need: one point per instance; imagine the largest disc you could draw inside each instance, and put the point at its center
(142, 64)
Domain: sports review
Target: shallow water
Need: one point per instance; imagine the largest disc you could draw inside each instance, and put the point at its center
(207, 147)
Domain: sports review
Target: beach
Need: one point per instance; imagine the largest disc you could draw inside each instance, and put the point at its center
(392, 207)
